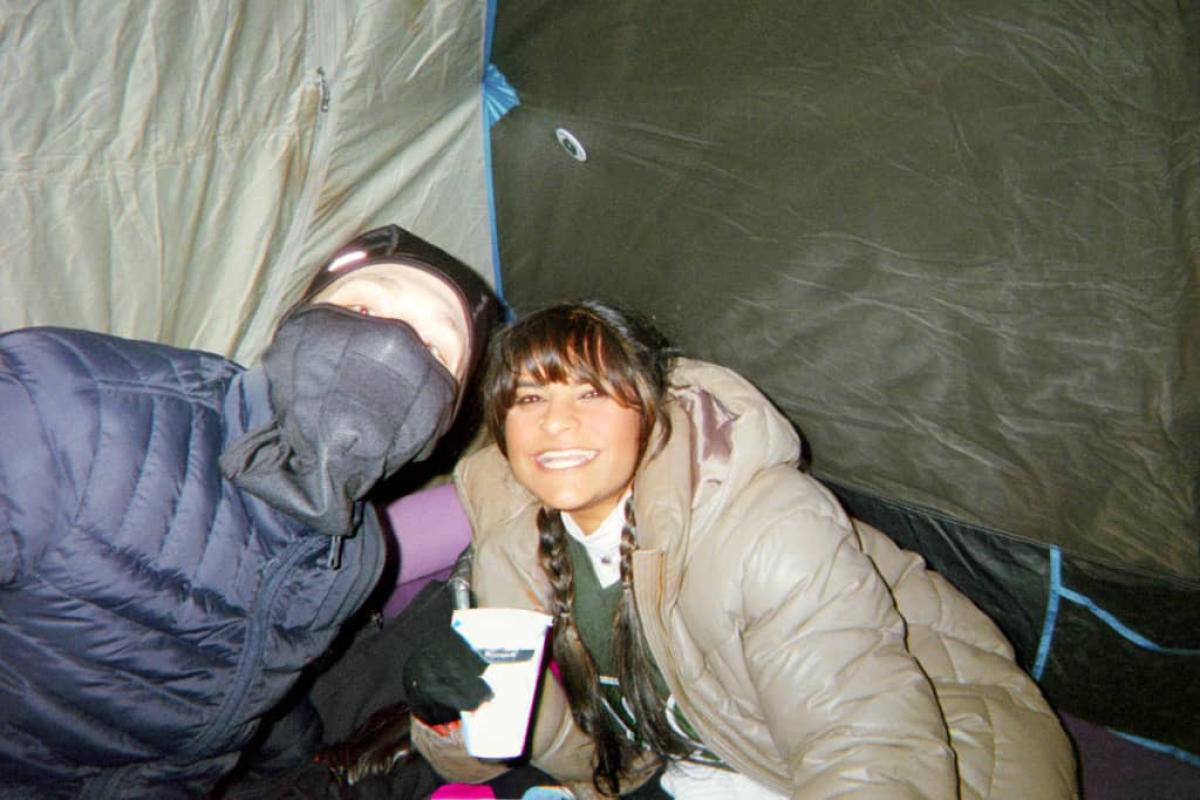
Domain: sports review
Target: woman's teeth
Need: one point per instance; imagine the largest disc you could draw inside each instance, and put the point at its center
(564, 459)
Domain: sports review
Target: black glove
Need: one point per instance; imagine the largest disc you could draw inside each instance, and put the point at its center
(442, 676)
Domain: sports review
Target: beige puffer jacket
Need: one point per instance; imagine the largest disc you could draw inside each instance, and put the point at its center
(809, 652)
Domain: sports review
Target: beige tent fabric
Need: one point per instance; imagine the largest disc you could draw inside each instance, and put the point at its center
(173, 171)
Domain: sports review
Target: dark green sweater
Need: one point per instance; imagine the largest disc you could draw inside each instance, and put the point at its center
(595, 611)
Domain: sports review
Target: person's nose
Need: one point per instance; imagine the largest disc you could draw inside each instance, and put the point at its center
(559, 416)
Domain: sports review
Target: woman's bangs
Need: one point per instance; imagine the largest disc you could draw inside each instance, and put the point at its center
(584, 353)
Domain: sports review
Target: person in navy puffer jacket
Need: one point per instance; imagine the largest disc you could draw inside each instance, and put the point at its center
(180, 536)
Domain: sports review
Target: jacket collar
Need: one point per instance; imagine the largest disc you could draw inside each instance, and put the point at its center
(247, 404)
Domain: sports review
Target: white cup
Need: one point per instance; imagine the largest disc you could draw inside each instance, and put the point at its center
(511, 640)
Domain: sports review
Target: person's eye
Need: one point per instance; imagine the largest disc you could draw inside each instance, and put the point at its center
(591, 393)
(528, 398)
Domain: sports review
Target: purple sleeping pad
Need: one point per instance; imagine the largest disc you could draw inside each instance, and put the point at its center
(1115, 768)
(431, 529)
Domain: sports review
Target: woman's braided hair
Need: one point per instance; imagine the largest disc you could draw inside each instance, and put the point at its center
(625, 357)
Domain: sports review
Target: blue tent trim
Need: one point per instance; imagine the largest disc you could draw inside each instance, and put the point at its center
(1158, 747)
(1045, 599)
(1058, 592)
(1051, 620)
(499, 97)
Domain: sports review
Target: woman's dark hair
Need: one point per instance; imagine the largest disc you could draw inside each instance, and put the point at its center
(616, 351)
(627, 359)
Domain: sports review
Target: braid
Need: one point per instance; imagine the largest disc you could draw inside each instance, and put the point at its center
(552, 552)
(578, 670)
(634, 662)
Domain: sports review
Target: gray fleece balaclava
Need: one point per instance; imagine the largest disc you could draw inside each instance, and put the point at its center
(354, 397)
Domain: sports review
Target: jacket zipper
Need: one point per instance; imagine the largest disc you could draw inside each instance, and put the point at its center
(247, 670)
(105, 785)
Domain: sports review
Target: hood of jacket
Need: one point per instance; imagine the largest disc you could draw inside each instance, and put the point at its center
(724, 434)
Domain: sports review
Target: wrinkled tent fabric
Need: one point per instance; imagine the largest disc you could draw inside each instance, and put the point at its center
(174, 171)
(957, 243)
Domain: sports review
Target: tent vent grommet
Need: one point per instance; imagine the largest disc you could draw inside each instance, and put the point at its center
(573, 146)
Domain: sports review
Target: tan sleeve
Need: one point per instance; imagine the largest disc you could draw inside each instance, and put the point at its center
(847, 706)
(1008, 740)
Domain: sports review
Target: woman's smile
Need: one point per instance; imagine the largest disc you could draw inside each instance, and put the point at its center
(573, 446)
(565, 459)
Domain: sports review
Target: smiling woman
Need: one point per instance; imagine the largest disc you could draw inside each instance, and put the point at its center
(717, 615)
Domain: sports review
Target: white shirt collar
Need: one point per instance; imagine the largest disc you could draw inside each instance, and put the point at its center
(603, 545)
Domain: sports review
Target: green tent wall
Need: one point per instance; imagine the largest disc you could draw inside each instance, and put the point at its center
(956, 242)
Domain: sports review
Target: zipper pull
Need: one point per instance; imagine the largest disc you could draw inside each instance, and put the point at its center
(335, 553)
(323, 85)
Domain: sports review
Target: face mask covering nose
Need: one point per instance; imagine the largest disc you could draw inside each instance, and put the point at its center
(354, 399)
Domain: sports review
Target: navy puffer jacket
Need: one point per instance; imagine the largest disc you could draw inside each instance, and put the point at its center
(150, 612)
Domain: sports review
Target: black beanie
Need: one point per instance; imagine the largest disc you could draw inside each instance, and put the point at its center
(391, 244)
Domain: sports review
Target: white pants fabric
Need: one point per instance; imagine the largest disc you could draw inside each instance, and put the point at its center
(685, 780)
